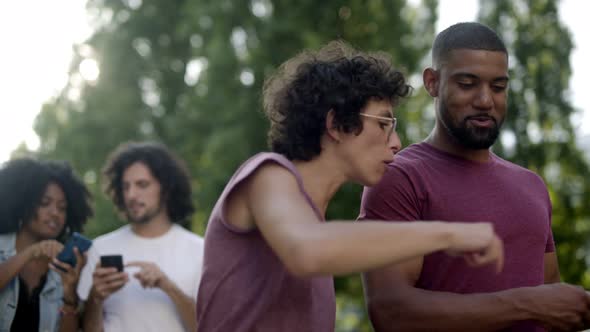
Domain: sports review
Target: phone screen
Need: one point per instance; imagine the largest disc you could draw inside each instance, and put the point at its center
(112, 261)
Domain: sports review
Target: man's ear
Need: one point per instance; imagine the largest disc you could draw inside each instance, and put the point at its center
(331, 130)
(430, 77)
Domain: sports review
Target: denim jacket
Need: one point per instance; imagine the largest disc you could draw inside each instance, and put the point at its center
(50, 298)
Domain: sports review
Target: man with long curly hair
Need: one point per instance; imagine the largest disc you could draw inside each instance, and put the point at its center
(157, 289)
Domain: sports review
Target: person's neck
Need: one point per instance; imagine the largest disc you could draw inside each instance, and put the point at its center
(321, 180)
(157, 226)
(24, 239)
(442, 141)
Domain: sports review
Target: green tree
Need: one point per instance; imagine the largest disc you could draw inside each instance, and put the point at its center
(538, 133)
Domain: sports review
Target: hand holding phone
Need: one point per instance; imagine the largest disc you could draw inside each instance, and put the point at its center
(76, 240)
(112, 261)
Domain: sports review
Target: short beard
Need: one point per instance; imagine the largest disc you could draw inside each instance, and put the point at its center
(469, 137)
(146, 218)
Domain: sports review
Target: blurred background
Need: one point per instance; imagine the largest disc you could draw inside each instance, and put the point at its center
(79, 77)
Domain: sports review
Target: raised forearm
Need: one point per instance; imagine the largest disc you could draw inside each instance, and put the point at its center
(12, 267)
(344, 247)
(439, 311)
(185, 306)
(70, 321)
(92, 320)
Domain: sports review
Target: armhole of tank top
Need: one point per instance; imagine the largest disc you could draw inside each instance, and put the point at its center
(238, 180)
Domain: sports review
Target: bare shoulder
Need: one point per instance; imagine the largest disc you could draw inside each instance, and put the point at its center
(272, 176)
(268, 180)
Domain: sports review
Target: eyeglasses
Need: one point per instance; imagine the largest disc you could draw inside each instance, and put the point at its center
(390, 122)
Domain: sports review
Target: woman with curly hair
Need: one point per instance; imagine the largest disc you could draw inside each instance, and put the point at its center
(269, 254)
(41, 204)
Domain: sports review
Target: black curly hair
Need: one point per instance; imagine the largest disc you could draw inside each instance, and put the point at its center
(304, 89)
(23, 183)
(168, 169)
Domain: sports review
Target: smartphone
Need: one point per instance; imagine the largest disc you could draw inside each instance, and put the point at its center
(76, 240)
(112, 261)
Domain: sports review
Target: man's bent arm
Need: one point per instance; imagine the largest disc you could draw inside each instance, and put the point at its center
(394, 304)
(185, 305)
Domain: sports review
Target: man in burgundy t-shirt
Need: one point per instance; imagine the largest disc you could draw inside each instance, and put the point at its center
(427, 184)
(453, 176)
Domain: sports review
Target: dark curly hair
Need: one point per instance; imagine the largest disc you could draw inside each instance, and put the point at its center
(168, 169)
(23, 182)
(304, 89)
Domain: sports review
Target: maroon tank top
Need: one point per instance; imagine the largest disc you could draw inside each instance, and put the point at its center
(245, 286)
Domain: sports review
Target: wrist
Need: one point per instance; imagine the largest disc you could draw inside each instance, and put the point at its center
(94, 298)
(70, 306)
(167, 286)
(66, 310)
(71, 301)
(520, 302)
(70, 293)
(30, 253)
(445, 234)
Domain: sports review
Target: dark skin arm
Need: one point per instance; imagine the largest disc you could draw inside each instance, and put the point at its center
(44, 250)
(396, 305)
(70, 275)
